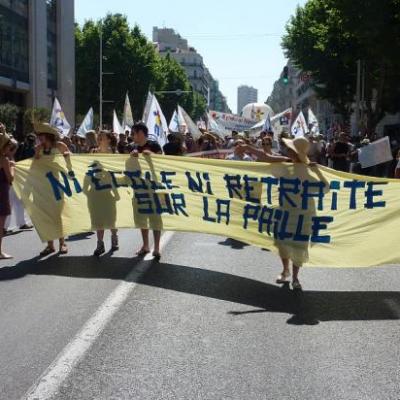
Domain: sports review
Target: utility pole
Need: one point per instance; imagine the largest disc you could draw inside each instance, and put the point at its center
(363, 103)
(358, 96)
(101, 76)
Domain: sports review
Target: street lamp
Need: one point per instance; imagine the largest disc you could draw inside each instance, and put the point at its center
(101, 77)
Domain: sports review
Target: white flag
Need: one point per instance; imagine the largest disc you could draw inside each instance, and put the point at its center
(313, 122)
(128, 121)
(147, 106)
(191, 127)
(117, 127)
(267, 124)
(58, 119)
(299, 127)
(156, 123)
(176, 123)
(215, 127)
(86, 125)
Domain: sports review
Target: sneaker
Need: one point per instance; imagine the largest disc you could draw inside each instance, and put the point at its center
(100, 249)
(296, 285)
(114, 243)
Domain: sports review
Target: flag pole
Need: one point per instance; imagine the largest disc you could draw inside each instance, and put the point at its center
(101, 76)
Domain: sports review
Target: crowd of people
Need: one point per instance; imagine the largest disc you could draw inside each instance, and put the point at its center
(339, 153)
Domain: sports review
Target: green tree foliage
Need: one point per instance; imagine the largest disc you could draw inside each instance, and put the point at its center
(8, 115)
(135, 66)
(327, 37)
(31, 115)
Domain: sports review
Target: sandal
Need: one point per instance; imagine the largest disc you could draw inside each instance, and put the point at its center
(47, 251)
(142, 252)
(157, 256)
(296, 285)
(283, 278)
(63, 249)
(100, 249)
(25, 227)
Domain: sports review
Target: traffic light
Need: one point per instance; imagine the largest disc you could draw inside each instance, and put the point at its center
(285, 75)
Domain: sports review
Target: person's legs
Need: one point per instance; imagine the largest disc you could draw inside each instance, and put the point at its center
(145, 247)
(295, 282)
(20, 213)
(63, 246)
(284, 275)
(6, 225)
(100, 236)
(114, 240)
(157, 237)
(7, 222)
(100, 249)
(2, 255)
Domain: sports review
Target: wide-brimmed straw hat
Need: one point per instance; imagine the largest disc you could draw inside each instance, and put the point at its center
(4, 140)
(300, 146)
(44, 127)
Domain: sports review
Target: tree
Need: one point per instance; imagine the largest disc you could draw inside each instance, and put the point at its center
(327, 37)
(8, 115)
(135, 66)
(173, 77)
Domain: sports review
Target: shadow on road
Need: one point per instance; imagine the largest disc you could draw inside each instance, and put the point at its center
(233, 244)
(309, 307)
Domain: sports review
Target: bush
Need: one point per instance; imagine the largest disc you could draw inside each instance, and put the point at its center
(8, 116)
(37, 115)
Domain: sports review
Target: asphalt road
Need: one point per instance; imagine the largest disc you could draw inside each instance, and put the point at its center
(207, 322)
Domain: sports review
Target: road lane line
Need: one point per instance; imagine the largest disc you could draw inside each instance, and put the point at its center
(49, 383)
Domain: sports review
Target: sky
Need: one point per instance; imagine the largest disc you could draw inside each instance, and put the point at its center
(240, 42)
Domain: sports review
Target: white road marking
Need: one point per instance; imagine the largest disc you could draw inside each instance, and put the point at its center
(49, 383)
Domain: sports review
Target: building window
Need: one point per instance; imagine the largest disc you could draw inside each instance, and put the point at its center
(52, 44)
(14, 40)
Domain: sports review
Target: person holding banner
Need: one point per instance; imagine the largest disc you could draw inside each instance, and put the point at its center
(262, 156)
(144, 146)
(50, 146)
(107, 144)
(297, 252)
(7, 167)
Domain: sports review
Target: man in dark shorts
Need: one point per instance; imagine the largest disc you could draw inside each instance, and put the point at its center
(141, 145)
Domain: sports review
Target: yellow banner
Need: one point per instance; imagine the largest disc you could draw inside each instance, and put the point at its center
(313, 215)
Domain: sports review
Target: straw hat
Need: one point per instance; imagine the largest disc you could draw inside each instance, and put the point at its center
(300, 146)
(4, 140)
(40, 127)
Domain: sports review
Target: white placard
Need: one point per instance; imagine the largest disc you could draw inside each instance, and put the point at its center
(375, 153)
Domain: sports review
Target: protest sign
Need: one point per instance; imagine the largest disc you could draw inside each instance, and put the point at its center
(375, 153)
(341, 220)
(231, 121)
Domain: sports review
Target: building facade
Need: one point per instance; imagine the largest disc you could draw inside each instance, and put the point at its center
(246, 95)
(299, 94)
(169, 42)
(37, 53)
